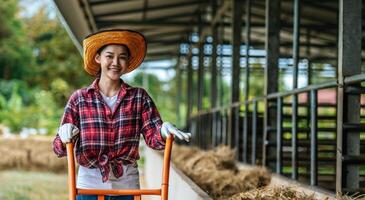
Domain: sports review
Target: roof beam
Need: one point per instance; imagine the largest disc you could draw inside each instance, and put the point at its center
(166, 33)
(106, 23)
(103, 2)
(158, 7)
(174, 16)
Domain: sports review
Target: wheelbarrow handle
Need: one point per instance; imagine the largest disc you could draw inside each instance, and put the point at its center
(71, 179)
(165, 176)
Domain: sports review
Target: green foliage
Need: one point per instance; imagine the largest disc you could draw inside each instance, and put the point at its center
(39, 68)
(15, 56)
(41, 113)
(56, 57)
(161, 95)
(12, 111)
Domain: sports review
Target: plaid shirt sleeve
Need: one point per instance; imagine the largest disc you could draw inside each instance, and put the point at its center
(151, 123)
(69, 116)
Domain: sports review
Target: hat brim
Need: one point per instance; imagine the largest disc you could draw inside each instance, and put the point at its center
(135, 42)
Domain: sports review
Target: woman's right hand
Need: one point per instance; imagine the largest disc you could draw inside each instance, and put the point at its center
(67, 132)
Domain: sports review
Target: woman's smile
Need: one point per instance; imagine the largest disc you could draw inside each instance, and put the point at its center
(114, 69)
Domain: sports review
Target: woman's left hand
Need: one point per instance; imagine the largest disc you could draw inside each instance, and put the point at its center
(167, 129)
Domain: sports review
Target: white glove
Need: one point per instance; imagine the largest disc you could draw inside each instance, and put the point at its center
(67, 132)
(167, 129)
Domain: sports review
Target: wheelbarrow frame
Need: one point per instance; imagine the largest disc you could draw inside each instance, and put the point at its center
(137, 193)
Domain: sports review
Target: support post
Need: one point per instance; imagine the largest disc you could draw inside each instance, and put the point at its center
(213, 84)
(189, 87)
(313, 138)
(272, 47)
(279, 136)
(294, 132)
(236, 43)
(247, 80)
(348, 105)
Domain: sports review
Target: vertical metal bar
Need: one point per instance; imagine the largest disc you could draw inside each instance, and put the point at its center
(214, 129)
(178, 95)
(211, 129)
(227, 127)
(200, 84)
(349, 61)
(220, 69)
(309, 81)
(236, 72)
(219, 128)
(231, 127)
(340, 94)
(247, 80)
(294, 139)
(197, 124)
(248, 41)
(193, 131)
(308, 52)
(245, 134)
(213, 89)
(254, 133)
(313, 137)
(296, 34)
(190, 82)
(200, 132)
(205, 131)
(200, 89)
(265, 134)
(279, 137)
(236, 129)
(272, 47)
(224, 128)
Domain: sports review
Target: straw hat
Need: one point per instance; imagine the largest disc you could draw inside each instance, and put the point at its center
(135, 42)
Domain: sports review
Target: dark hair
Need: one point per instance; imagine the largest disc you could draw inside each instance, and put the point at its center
(103, 47)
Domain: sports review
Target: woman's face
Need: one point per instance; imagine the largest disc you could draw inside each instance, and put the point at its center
(113, 60)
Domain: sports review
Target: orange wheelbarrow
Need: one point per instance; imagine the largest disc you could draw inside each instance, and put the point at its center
(163, 191)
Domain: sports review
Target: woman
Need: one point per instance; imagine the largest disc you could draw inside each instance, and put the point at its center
(107, 118)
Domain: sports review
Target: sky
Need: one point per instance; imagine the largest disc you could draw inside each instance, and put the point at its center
(30, 7)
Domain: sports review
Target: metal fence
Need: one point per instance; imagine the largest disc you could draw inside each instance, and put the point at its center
(303, 145)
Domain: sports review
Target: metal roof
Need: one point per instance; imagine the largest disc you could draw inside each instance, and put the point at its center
(166, 24)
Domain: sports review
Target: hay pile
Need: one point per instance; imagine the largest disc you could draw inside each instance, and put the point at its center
(30, 154)
(272, 193)
(215, 171)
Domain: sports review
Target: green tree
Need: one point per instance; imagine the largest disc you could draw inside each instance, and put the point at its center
(161, 95)
(15, 57)
(56, 57)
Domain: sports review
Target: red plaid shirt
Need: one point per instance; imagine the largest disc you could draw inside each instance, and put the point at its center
(111, 138)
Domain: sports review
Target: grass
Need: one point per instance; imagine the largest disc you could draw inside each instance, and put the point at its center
(23, 185)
